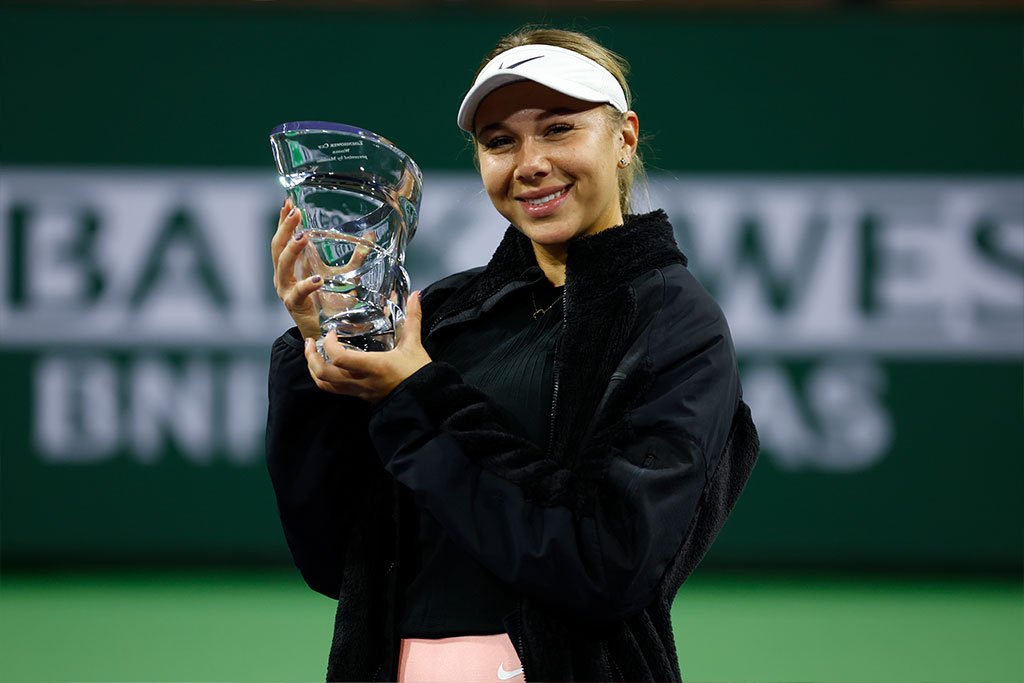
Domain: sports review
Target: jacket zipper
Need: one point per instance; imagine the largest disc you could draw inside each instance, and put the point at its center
(554, 406)
(554, 388)
(522, 665)
(616, 673)
(521, 651)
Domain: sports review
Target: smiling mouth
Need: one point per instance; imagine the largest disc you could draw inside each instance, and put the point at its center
(541, 201)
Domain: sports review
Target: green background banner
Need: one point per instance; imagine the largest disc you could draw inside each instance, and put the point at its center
(818, 92)
(848, 185)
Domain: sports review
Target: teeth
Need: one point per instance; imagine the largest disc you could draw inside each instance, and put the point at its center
(544, 200)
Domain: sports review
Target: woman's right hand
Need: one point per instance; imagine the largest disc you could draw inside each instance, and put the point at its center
(285, 249)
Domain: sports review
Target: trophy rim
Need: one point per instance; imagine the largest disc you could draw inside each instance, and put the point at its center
(293, 126)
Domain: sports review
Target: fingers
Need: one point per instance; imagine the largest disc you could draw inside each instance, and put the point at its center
(295, 297)
(284, 236)
(355, 364)
(413, 321)
(283, 232)
(315, 364)
(366, 244)
(325, 375)
(367, 375)
(358, 257)
(360, 372)
(284, 268)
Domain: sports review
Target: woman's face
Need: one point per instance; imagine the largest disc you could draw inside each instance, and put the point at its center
(549, 161)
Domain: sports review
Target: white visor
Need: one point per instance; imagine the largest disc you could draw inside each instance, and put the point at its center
(565, 71)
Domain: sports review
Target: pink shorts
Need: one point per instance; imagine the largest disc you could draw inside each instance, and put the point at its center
(471, 659)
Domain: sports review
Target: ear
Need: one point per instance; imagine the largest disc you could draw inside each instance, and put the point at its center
(630, 132)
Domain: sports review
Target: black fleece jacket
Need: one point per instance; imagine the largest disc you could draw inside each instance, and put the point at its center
(595, 529)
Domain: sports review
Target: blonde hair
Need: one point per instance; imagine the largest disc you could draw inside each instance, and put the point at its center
(616, 66)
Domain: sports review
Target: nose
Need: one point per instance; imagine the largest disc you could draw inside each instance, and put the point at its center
(531, 161)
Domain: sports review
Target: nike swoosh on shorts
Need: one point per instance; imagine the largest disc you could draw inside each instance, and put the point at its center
(506, 675)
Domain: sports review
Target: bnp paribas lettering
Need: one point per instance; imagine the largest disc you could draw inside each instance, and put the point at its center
(829, 416)
(93, 408)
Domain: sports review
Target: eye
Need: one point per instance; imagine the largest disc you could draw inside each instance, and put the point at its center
(496, 142)
(559, 128)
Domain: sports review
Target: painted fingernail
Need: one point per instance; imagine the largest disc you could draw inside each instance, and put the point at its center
(292, 212)
(315, 278)
(309, 340)
(298, 238)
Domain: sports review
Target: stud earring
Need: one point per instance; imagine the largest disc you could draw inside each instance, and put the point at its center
(623, 162)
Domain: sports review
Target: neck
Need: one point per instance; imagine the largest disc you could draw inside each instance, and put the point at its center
(551, 259)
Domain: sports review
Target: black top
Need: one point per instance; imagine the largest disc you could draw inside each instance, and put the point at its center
(597, 532)
(510, 356)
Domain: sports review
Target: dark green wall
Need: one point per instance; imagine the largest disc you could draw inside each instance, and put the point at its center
(853, 92)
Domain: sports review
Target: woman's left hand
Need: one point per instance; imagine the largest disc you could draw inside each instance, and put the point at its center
(369, 375)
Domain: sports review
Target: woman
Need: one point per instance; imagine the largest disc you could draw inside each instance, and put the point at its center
(522, 484)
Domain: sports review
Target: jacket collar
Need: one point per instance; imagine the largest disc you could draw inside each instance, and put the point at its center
(598, 266)
(610, 257)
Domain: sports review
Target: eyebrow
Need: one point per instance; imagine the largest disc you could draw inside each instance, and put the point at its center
(557, 111)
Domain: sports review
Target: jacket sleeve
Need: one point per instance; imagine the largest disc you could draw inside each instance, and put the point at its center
(598, 540)
(318, 452)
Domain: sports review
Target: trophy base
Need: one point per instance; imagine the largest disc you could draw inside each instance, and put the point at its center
(384, 341)
(365, 327)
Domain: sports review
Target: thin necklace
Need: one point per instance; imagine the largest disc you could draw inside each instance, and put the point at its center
(538, 312)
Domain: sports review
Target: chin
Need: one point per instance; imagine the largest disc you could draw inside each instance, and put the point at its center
(550, 237)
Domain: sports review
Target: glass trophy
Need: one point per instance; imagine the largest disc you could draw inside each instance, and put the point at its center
(359, 197)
